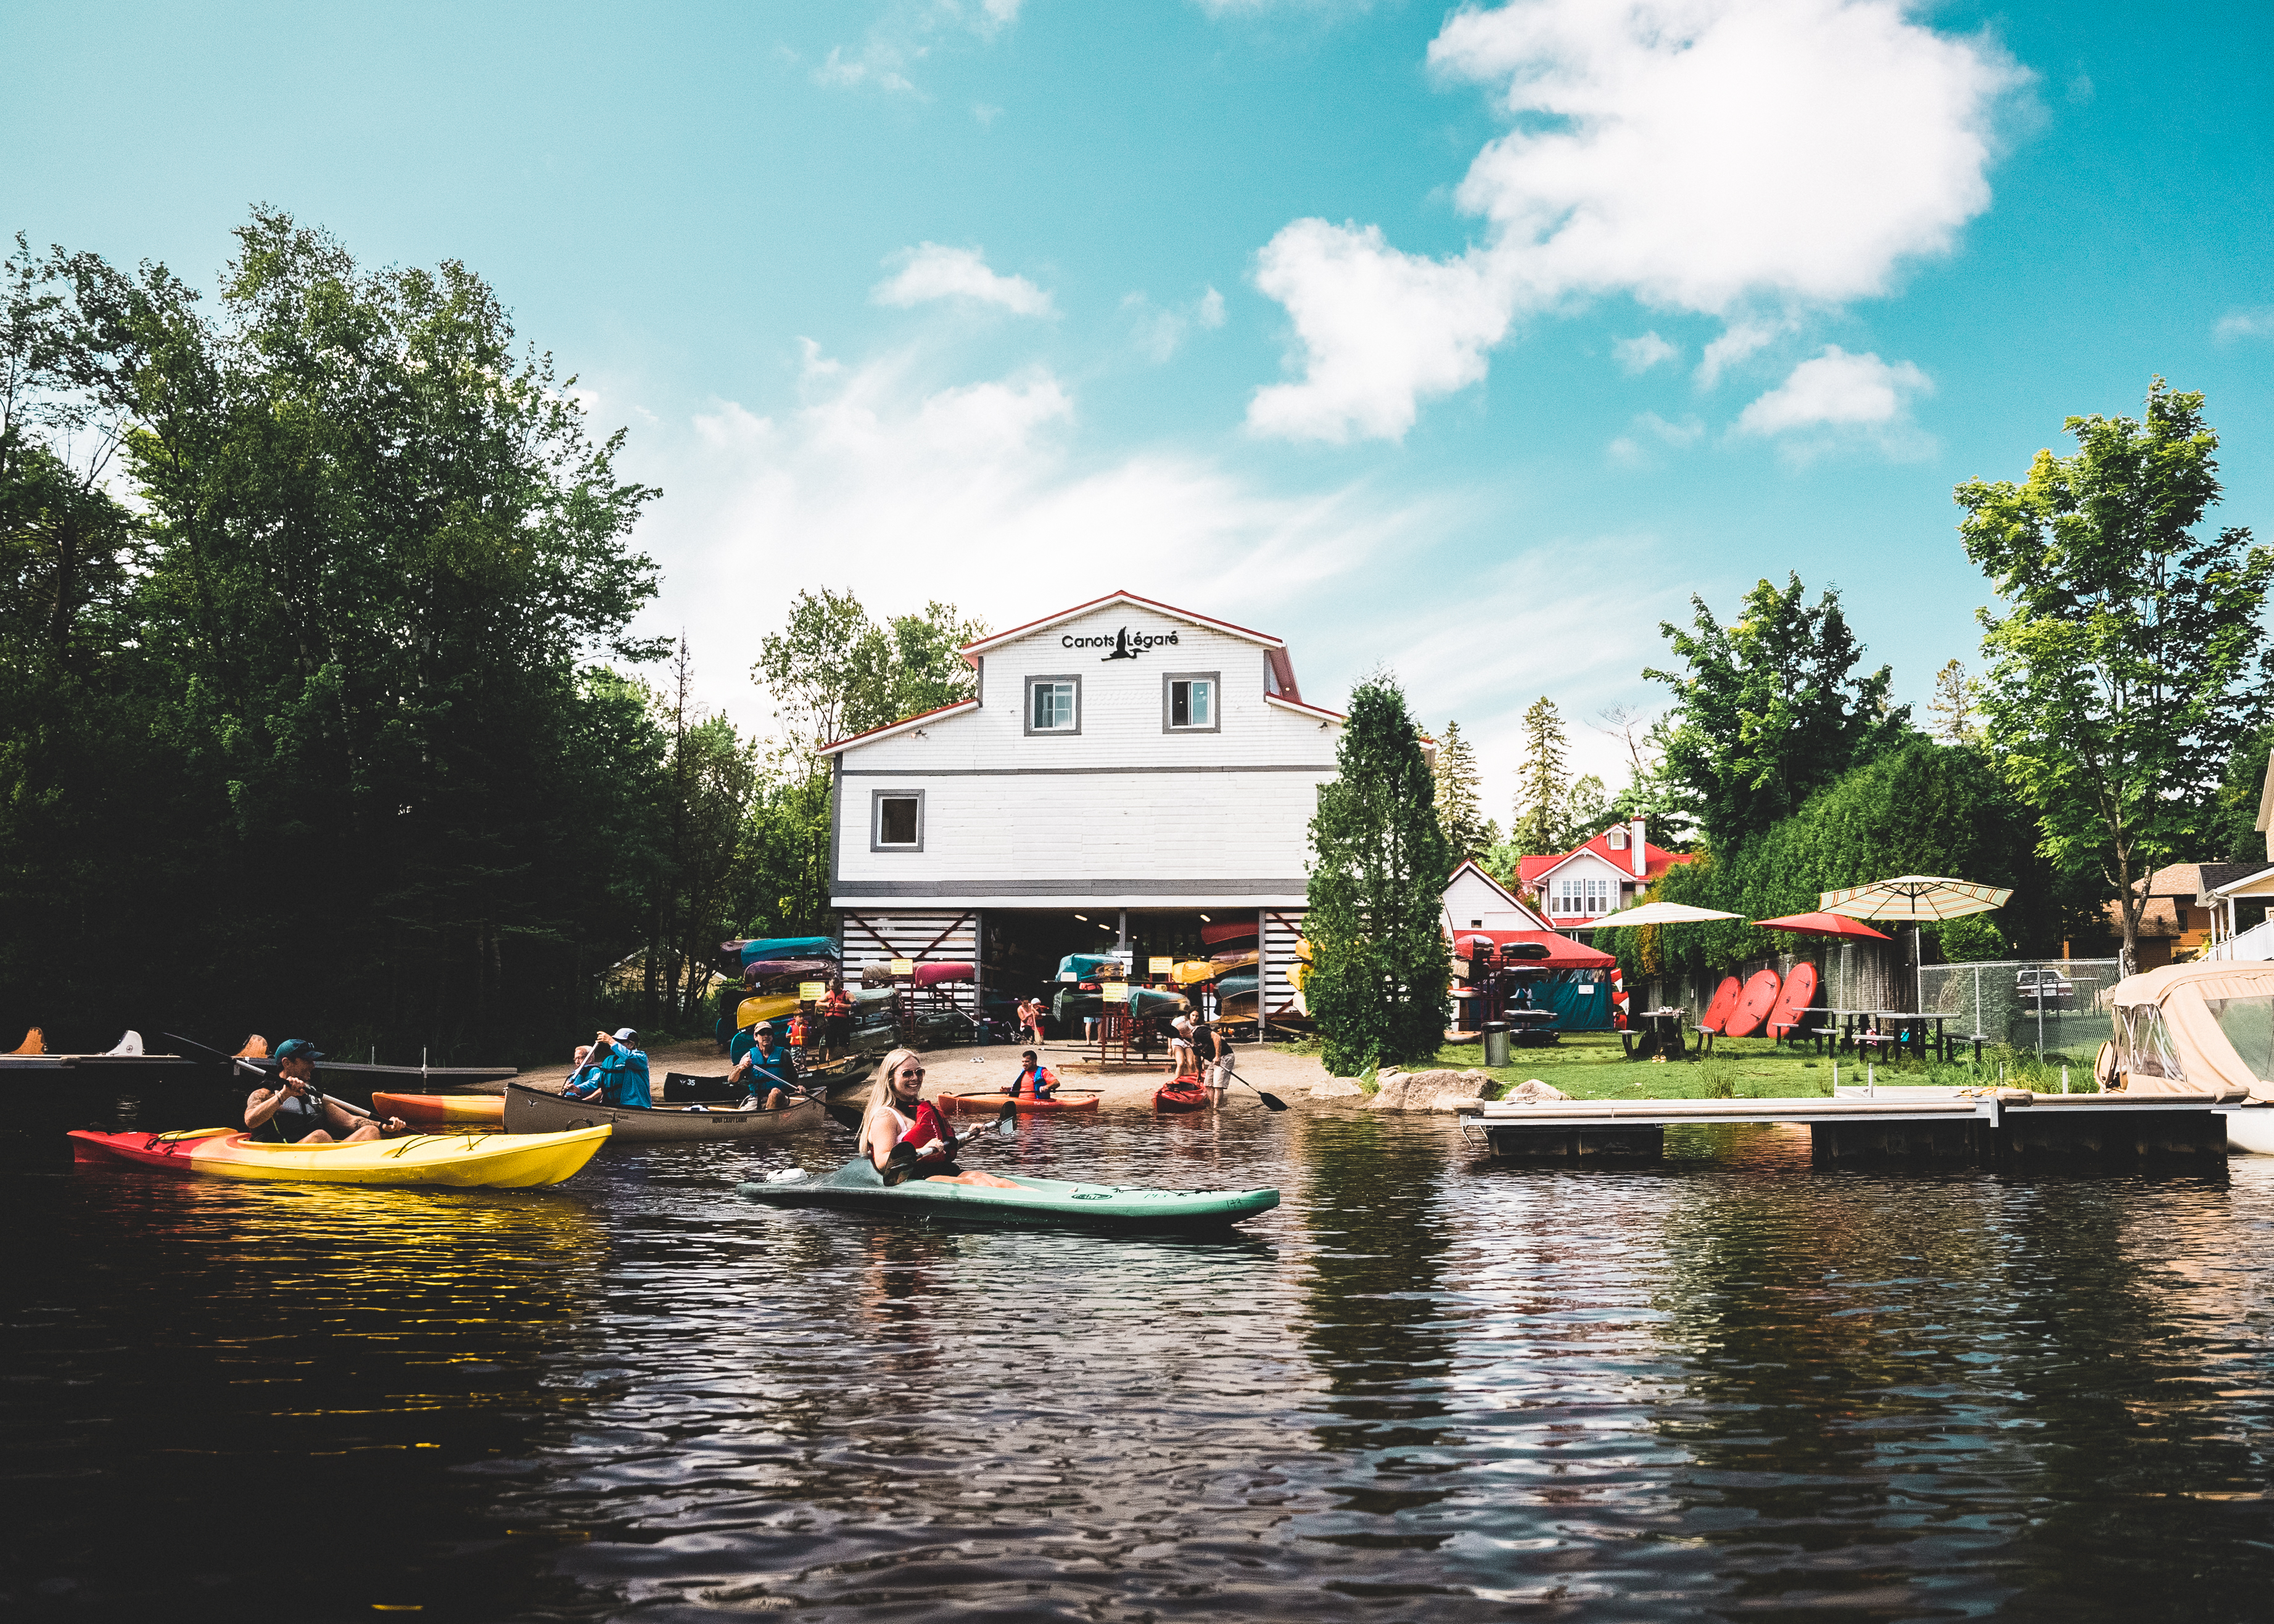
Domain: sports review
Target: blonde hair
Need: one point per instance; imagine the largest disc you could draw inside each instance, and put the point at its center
(881, 1095)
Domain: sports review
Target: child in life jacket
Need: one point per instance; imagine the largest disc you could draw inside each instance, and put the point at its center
(1034, 1079)
(899, 1115)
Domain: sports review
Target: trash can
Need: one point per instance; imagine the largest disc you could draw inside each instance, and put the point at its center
(1495, 1042)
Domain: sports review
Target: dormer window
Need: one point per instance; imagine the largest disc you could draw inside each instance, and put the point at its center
(1618, 841)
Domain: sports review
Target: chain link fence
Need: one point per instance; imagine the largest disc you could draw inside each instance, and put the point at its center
(2050, 1005)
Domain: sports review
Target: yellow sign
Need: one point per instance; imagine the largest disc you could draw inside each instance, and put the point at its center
(904, 967)
(1115, 992)
(812, 992)
(1162, 966)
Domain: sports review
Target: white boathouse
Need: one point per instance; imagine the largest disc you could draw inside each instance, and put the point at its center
(1129, 777)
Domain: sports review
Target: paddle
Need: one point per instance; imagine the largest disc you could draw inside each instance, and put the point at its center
(239, 1063)
(902, 1164)
(1271, 1102)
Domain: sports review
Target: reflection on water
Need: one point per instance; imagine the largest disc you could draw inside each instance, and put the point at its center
(1428, 1386)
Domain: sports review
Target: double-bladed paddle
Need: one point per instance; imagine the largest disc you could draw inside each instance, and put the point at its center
(900, 1166)
(239, 1063)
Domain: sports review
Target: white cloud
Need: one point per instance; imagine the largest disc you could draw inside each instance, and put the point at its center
(985, 113)
(932, 271)
(1640, 354)
(2243, 324)
(1380, 329)
(1838, 394)
(1161, 333)
(1738, 341)
(1687, 433)
(903, 486)
(879, 64)
(1703, 156)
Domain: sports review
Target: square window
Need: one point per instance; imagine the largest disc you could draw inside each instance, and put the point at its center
(1053, 704)
(1188, 701)
(896, 820)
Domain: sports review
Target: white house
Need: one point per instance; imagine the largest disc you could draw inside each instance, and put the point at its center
(1126, 773)
(1476, 901)
(1608, 873)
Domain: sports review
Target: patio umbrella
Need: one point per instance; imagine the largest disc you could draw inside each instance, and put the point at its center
(1824, 925)
(1914, 897)
(1658, 913)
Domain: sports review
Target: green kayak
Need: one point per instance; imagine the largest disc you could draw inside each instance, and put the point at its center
(857, 1187)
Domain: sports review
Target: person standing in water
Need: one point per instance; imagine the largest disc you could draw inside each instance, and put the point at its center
(899, 1115)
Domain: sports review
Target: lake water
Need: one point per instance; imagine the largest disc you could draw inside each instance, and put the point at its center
(1427, 1386)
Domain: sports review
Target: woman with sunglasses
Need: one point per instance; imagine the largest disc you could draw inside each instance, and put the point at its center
(899, 1115)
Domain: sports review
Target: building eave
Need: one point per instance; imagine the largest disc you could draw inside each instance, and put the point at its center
(1301, 709)
(871, 737)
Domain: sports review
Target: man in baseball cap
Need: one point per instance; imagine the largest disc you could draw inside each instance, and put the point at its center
(616, 1071)
(293, 1111)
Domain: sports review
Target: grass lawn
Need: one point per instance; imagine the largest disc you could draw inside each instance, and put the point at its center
(1588, 1065)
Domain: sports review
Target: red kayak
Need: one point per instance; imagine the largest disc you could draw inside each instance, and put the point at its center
(1180, 1097)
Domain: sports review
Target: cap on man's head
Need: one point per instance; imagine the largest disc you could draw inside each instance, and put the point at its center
(298, 1048)
(626, 1034)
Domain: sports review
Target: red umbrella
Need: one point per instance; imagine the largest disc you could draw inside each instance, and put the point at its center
(1824, 925)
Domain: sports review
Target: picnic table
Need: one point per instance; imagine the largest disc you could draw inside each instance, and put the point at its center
(1656, 1032)
(1892, 1030)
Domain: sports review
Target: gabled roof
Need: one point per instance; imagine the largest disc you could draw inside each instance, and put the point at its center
(1656, 859)
(1275, 648)
(1470, 866)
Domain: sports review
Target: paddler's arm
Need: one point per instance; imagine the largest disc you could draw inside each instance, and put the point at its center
(260, 1106)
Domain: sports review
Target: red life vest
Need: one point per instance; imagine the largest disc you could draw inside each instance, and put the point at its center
(930, 1125)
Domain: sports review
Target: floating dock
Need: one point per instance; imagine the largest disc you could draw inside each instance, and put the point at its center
(2006, 1127)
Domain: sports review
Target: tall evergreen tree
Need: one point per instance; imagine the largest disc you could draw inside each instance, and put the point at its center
(1543, 785)
(1460, 805)
(1378, 983)
(1956, 706)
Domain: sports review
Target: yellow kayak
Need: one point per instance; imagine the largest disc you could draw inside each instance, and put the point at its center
(491, 1160)
(770, 1007)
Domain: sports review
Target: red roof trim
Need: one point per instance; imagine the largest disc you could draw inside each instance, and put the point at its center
(980, 645)
(1296, 704)
(832, 748)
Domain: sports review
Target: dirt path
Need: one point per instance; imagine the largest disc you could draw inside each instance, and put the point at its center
(964, 1068)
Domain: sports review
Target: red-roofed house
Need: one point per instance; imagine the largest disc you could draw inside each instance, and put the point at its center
(1609, 873)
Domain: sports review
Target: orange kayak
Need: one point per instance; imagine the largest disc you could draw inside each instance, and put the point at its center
(471, 1160)
(988, 1104)
(460, 1110)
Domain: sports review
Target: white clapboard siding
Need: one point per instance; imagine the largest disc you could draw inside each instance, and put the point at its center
(1282, 928)
(950, 937)
(1120, 813)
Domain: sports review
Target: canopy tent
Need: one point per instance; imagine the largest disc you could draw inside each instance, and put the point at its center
(2192, 1028)
(1659, 914)
(1911, 898)
(1562, 953)
(1824, 925)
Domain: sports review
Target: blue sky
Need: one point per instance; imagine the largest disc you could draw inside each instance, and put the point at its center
(1471, 343)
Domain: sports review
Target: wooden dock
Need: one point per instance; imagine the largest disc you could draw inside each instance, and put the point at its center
(2005, 1127)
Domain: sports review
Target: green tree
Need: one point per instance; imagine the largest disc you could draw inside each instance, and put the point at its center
(1379, 866)
(1921, 809)
(1543, 785)
(1770, 709)
(338, 646)
(2130, 661)
(1587, 811)
(1459, 804)
(1956, 706)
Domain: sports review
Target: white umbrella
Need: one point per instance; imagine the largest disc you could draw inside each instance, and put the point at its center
(1914, 897)
(1658, 913)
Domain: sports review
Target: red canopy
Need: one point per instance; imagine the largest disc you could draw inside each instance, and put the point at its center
(1228, 930)
(1824, 925)
(1562, 952)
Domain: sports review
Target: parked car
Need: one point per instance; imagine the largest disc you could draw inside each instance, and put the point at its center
(2043, 985)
